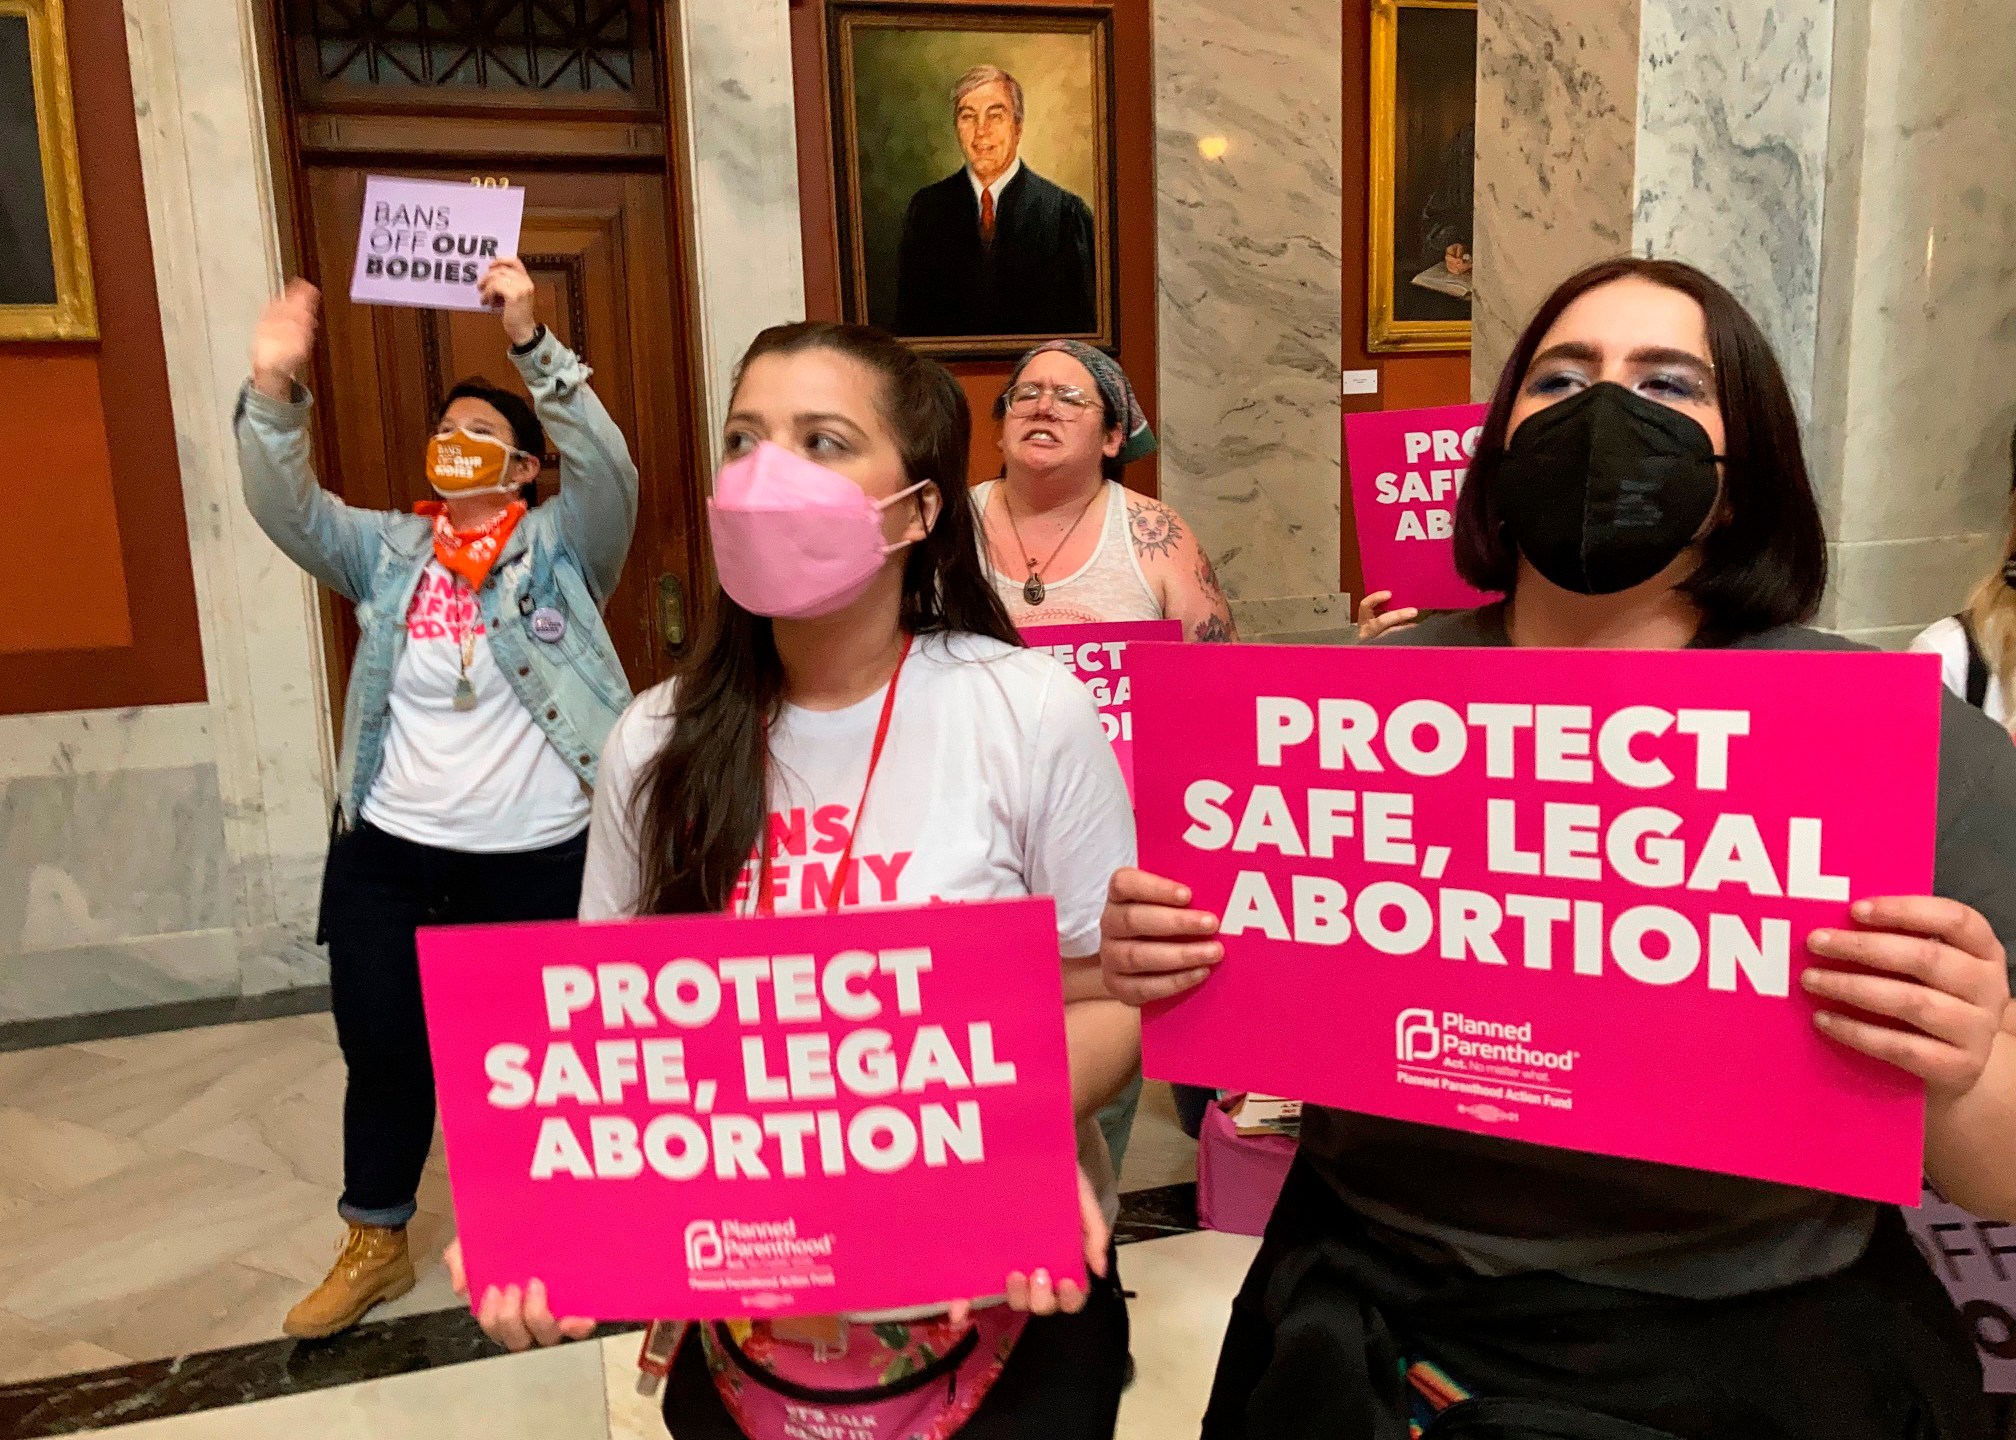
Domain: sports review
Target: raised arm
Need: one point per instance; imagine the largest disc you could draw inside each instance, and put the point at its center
(317, 531)
(1179, 570)
(597, 506)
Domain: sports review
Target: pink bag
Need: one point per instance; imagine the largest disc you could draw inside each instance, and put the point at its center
(892, 1381)
(1239, 1177)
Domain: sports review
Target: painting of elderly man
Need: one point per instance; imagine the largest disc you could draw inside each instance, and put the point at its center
(974, 148)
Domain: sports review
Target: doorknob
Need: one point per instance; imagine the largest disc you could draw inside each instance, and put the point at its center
(672, 611)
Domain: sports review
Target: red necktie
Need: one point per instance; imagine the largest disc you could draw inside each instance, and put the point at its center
(987, 217)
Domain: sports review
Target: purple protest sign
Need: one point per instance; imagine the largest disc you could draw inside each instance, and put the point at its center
(426, 243)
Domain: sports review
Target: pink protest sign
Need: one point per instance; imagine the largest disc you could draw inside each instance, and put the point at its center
(1097, 654)
(1406, 468)
(426, 243)
(1977, 1260)
(704, 1117)
(1551, 895)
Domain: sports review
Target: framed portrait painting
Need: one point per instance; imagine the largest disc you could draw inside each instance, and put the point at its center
(1424, 147)
(974, 150)
(45, 262)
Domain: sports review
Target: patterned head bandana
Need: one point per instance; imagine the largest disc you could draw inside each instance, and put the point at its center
(1114, 389)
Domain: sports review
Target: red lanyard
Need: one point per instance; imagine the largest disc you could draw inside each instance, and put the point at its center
(764, 905)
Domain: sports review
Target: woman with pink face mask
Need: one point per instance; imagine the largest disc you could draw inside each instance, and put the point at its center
(860, 686)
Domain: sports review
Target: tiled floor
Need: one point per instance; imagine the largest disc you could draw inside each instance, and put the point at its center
(170, 1193)
(175, 1193)
(588, 1392)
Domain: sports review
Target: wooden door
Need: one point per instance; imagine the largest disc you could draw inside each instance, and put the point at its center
(600, 238)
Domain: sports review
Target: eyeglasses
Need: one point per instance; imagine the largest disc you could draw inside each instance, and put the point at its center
(1070, 401)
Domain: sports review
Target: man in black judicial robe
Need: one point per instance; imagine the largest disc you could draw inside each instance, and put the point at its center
(994, 248)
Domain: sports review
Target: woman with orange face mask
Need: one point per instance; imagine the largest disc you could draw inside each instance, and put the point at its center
(482, 689)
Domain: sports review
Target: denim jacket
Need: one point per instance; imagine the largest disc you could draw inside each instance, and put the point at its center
(565, 556)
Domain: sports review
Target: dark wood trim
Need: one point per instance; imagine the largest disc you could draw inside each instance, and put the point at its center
(554, 137)
(683, 246)
(154, 1019)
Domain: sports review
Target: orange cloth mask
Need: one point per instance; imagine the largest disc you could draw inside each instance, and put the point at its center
(471, 554)
(464, 463)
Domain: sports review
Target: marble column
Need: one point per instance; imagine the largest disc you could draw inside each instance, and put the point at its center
(1557, 86)
(200, 104)
(1844, 166)
(742, 141)
(1917, 400)
(1249, 214)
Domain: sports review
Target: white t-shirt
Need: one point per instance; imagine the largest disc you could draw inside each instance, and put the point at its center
(996, 781)
(486, 780)
(1949, 642)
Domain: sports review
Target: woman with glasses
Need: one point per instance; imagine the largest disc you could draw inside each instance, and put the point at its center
(1067, 544)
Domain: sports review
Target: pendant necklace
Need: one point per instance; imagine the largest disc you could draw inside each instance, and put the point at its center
(1033, 590)
(465, 693)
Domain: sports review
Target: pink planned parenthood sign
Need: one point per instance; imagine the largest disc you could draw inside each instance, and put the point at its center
(1097, 654)
(426, 243)
(1407, 467)
(1549, 895)
(705, 1117)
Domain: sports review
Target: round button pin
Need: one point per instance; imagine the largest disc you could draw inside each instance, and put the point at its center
(548, 624)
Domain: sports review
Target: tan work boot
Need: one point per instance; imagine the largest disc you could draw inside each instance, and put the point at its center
(373, 1265)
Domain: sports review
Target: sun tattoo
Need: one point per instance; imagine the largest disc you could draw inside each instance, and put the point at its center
(1156, 530)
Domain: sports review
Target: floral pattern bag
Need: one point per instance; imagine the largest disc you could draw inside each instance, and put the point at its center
(920, 1380)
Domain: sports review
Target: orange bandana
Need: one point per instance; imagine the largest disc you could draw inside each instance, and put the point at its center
(471, 555)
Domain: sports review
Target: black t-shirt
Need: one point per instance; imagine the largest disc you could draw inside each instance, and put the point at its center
(1501, 1207)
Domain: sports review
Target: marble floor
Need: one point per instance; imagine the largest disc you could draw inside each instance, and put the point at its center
(588, 1391)
(169, 1195)
(165, 1198)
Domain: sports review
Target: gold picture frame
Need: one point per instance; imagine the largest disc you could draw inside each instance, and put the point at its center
(919, 51)
(50, 268)
(1397, 320)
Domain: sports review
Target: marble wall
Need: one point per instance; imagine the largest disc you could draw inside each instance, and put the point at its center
(742, 134)
(1732, 139)
(1251, 298)
(1557, 88)
(170, 855)
(1921, 394)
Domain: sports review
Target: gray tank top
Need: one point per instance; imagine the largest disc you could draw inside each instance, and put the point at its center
(1109, 586)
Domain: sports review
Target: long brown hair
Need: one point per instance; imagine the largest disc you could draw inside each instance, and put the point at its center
(704, 797)
(1767, 566)
(1991, 609)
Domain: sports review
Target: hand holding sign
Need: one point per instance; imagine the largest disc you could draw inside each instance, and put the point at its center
(754, 1098)
(1407, 468)
(1941, 978)
(507, 288)
(1578, 886)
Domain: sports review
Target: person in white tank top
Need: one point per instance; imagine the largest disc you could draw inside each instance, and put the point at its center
(1067, 544)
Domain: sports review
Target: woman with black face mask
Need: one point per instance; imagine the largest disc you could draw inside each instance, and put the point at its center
(1639, 485)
